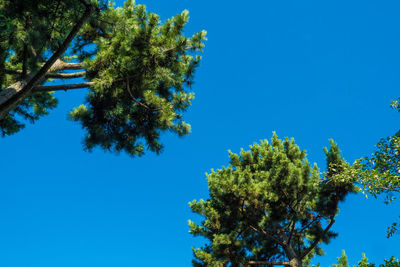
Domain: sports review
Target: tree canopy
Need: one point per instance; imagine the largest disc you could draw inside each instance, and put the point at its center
(139, 71)
(269, 207)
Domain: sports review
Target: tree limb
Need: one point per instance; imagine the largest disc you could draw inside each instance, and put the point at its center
(280, 242)
(66, 75)
(287, 247)
(72, 66)
(310, 223)
(283, 263)
(316, 241)
(63, 87)
(53, 75)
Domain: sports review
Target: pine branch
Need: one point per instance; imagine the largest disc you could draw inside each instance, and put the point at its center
(311, 223)
(316, 241)
(283, 263)
(280, 242)
(134, 99)
(63, 87)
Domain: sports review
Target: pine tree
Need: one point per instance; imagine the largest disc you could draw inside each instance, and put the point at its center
(269, 207)
(139, 72)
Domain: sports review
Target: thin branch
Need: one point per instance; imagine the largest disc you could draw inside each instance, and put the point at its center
(283, 263)
(66, 75)
(268, 235)
(172, 48)
(33, 51)
(52, 75)
(63, 87)
(72, 66)
(389, 189)
(291, 231)
(316, 241)
(311, 223)
(134, 99)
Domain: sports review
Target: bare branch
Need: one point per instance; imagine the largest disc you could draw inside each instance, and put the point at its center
(283, 263)
(72, 66)
(52, 75)
(66, 75)
(63, 87)
(172, 48)
(33, 51)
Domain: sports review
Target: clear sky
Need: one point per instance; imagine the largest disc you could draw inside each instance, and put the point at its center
(312, 70)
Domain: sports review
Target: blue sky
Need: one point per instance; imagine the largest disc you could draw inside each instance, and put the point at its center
(312, 70)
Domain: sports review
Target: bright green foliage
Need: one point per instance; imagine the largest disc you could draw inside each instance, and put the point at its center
(141, 70)
(269, 204)
(380, 173)
(396, 104)
(364, 262)
(342, 261)
(391, 263)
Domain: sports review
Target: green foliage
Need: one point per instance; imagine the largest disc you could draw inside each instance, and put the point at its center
(391, 263)
(364, 262)
(30, 109)
(142, 74)
(396, 104)
(267, 201)
(343, 262)
(141, 69)
(380, 173)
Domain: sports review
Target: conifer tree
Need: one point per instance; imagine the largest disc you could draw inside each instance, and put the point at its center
(269, 207)
(138, 71)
